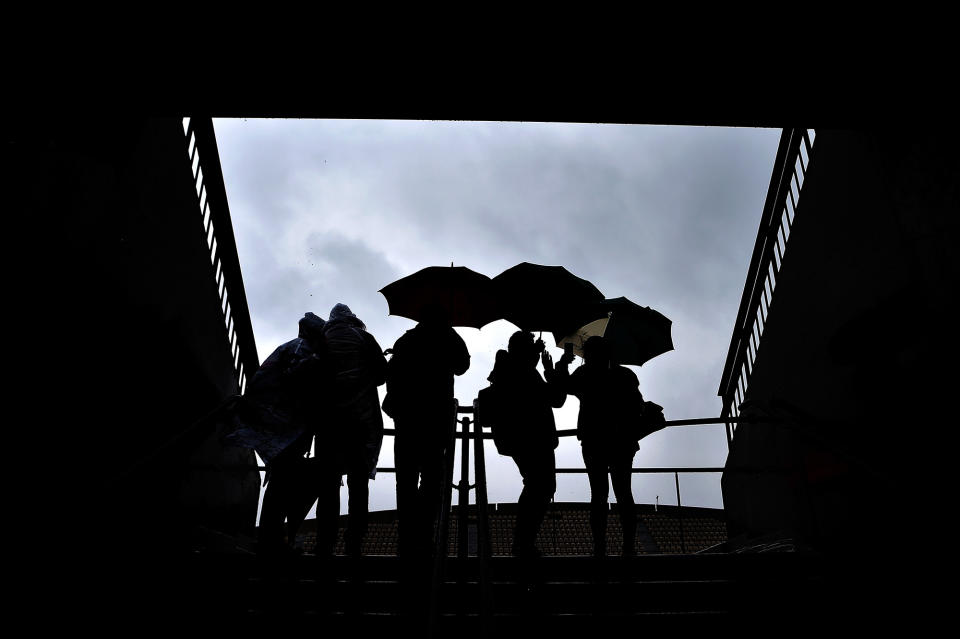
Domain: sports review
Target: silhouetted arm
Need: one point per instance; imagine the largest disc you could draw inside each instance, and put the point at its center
(572, 383)
(460, 356)
(377, 361)
(556, 386)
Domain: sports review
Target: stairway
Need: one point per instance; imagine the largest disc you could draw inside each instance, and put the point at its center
(557, 595)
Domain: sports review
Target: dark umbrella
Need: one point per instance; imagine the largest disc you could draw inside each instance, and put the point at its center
(543, 298)
(464, 294)
(634, 334)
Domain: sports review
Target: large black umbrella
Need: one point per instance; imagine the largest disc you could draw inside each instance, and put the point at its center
(634, 334)
(466, 295)
(543, 298)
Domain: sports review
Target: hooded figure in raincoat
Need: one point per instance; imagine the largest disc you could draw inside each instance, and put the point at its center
(351, 445)
(278, 416)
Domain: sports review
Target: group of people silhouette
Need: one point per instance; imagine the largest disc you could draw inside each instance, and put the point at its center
(321, 388)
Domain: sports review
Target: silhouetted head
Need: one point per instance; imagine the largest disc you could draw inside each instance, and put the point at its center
(500, 363)
(435, 315)
(522, 347)
(596, 352)
(342, 313)
(311, 327)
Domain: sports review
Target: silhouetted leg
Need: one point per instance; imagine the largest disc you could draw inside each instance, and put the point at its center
(302, 489)
(520, 530)
(357, 484)
(418, 492)
(429, 495)
(599, 492)
(281, 493)
(328, 512)
(406, 476)
(523, 533)
(538, 470)
(317, 479)
(621, 477)
(270, 532)
(277, 497)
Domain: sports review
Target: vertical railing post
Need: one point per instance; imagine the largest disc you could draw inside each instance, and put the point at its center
(727, 414)
(464, 488)
(483, 524)
(683, 545)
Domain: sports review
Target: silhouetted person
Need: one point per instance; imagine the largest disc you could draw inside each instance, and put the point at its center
(420, 401)
(609, 403)
(278, 416)
(521, 414)
(351, 445)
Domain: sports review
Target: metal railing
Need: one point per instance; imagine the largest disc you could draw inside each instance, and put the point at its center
(472, 430)
(779, 211)
(484, 553)
(463, 487)
(214, 215)
(569, 432)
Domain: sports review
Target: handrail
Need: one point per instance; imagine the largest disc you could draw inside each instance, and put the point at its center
(480, 485)
(567, 432)
(780, 208)
(214, 213)
(202, 159)
(483, 524)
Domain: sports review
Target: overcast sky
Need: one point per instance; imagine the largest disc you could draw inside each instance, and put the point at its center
(328, 211)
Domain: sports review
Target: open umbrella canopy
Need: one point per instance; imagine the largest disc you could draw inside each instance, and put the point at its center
(465, 295)
(543, 298)
(634, 334)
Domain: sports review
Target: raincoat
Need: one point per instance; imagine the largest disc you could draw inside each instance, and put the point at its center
(283, 401)
(359, 367)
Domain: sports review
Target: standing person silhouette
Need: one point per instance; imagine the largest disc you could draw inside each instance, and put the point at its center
(609, 397)
(351, 446)
(278, 416)
(524, 429)
(420, 401)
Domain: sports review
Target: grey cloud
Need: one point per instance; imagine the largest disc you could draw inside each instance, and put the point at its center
(663, 215)
(348, 271)
(330, 269)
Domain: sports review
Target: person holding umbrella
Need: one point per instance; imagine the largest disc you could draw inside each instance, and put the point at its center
(520, 412)
(419, 398)
(610, 401)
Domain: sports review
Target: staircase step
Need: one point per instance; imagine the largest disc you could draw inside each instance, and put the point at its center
(560, 593)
